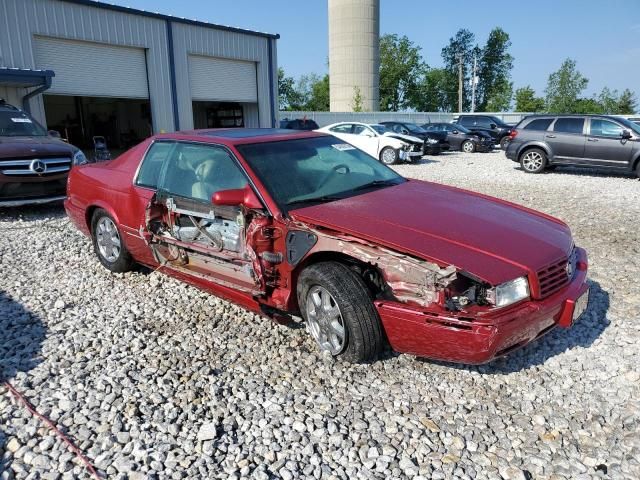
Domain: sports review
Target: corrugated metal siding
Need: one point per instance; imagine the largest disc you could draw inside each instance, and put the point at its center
(193, 40)
(21, 20)
(93, 69)
(222, 79)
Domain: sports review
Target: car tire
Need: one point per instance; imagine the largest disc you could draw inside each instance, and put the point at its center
(638, 169)
(533, 160)
(504, 141)
(389, 156)
(468, 146)
(347, 308)
(108, 244)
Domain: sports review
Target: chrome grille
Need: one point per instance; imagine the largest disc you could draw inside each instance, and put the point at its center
(24, 166)
(553, 277)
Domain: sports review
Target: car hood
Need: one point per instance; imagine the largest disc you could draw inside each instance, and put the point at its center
(404, 138)
(492, 239)
(17, 147)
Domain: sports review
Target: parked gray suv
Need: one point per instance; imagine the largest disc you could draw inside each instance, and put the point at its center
(547, 141)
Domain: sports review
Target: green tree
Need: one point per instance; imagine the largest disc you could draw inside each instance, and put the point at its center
(609, 101)
(627, 102)
(434, 92)
(564, 87)
(494, 91)
(401, 68)
(588, 105)
(526, 100)
(357, 100)
(316, 92)
(461, 48)
(286, 90)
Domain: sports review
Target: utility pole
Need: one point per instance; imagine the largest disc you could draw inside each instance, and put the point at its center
(473, 83)
(460, 81)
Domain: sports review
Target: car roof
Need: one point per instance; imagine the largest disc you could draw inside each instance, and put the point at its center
(239, 136)
(570, 115)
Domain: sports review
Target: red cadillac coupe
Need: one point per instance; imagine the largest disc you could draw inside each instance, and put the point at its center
(301, 223)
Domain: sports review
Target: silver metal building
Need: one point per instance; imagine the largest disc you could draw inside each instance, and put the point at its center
(354, 54)
(88, 68)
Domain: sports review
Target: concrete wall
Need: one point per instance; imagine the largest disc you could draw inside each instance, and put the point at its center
(327, 118)
(354, 53)
(74, 20)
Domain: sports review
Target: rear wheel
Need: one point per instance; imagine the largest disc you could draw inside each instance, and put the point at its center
(468, 146)
(533, 160)
(504, 142)
(638, 169)
(108, 244)
(389, 156)
(339, 312)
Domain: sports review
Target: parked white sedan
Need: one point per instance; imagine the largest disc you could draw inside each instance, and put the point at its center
(388, 147)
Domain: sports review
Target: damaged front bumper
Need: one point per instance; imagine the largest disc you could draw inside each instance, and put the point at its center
(479, 339)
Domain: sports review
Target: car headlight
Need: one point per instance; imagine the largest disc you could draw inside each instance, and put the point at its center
(432, 140)
(509, 292)
(79, 158)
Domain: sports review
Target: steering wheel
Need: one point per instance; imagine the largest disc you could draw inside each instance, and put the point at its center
(332, 172)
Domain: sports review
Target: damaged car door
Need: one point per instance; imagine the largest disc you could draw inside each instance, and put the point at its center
(189, 233)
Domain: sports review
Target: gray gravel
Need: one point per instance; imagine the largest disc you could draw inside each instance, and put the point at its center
(155, 379)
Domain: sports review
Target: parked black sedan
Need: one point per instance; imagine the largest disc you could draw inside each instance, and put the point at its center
(434, 142)
(461, 138)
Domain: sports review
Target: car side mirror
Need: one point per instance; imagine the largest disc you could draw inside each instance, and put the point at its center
(493, 126)
(54, 133)
(455, 132)
(404, 131)
(235, 197)
(626, 135)
(367, 133)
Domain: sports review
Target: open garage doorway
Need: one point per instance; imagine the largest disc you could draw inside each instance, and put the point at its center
(224, 114)
(123, 122)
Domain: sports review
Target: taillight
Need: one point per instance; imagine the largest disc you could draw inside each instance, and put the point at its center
(512, 134)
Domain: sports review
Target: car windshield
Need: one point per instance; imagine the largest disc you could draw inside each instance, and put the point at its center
(630, 125)
(307, 171)
(381, 129)
(413, 128)
(14, 123)
(460, 128)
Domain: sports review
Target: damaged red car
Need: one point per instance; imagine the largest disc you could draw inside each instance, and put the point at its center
(300, 223)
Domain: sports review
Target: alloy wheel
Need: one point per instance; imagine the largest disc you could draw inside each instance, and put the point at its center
(467, 147)
(388, 156)
(108, 239)
(324, 320)
(532, 161)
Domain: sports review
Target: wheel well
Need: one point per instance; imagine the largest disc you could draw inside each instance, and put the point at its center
(636, 163)
(532, 147)
(370, 274)
(88, 216)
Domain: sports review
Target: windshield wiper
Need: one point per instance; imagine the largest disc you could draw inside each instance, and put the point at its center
(322, 199)
(377, 183)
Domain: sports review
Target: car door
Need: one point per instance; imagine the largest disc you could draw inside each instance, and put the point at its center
(366, 139)
(605, 145)
(454, 136)
(566, 139)
(190, 235)
(344, 131)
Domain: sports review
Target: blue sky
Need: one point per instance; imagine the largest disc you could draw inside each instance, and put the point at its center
(603, 37)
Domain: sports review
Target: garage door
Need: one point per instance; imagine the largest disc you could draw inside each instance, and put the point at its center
(93, 69)
(220, 79)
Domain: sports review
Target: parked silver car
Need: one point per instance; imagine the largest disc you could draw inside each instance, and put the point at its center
(542, 142)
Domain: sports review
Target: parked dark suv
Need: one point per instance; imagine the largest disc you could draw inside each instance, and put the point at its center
(546, 141)
(33, 164)
(489, 124)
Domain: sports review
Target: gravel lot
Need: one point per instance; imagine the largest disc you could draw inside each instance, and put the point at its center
(155, 379)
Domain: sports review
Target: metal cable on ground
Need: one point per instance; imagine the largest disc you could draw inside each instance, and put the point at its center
(55, 429)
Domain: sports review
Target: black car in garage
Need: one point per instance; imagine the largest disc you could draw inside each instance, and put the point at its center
(434, 142)
(460, 138)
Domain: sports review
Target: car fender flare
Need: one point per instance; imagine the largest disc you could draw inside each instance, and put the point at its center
(635, 162)
(104, 206)
(545, 148)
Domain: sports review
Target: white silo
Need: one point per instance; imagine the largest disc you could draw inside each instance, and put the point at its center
(354, 54)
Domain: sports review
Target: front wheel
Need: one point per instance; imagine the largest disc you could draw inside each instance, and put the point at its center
(339, 312)
(389, 156)
(108, 244)
(533, 161)
(468, 146)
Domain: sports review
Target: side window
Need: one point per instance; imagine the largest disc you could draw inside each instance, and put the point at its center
(484, 122)
(605, 128)
(466, 121)
(151, 167)
(539, 124)
(342, 128)
(569, 125)
(198, 171)
(358, 129)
